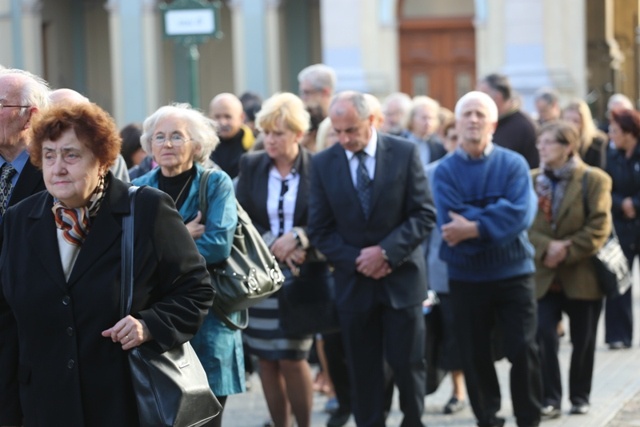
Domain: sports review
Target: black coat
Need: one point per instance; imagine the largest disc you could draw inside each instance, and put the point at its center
(57, 369)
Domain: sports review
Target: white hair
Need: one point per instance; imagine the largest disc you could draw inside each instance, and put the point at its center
(319, 76)
(484, 99)
(201, 129)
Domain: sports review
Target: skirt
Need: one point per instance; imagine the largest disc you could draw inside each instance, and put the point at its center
(264, 337)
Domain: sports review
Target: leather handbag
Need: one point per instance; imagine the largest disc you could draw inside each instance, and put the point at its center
(171, 387)
(612, 268)
(306, 302)
(249, 275)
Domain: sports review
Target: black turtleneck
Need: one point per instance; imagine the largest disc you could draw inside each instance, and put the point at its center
(177, 187)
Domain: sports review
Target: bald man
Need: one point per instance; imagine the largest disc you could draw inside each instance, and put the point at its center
(70, 96)
(235, 137)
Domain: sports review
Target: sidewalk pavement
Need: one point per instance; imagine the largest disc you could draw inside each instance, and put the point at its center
(615, 396)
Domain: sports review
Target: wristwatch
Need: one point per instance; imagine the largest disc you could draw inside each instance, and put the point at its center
(297, 236)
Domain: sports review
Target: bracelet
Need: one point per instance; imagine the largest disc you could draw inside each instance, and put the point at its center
(297, 236)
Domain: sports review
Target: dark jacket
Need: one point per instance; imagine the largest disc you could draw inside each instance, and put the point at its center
(517, 132)
(57, 369)
(625, 174)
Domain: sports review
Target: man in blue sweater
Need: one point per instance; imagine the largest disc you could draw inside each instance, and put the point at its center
(485, 204)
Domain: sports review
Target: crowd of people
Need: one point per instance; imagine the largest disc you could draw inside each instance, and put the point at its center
(493, 212)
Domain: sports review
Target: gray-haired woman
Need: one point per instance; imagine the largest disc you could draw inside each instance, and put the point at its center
(180, 140)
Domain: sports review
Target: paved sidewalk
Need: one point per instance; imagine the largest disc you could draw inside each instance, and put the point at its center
(615, 399)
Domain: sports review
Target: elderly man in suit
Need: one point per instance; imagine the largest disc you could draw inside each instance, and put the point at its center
(22, 96)
(370, 208)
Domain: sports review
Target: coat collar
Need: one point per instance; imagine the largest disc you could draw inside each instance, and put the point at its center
(105, 232)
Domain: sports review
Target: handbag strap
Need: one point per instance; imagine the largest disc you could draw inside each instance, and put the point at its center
(126, 262)
(203, 203)
(585, 202)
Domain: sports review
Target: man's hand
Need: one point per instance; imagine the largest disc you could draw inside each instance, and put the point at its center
(557, 251)
(294, 259)
(459, 229)
(371, 262)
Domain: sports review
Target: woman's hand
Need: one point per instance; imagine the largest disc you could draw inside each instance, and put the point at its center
(284, 246)
(195, 228)
(556, 253)
(129, 331)
(294, 259)
(628, 210)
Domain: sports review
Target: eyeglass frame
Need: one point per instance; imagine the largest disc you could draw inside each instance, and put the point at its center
(181, 140)
(12, 106)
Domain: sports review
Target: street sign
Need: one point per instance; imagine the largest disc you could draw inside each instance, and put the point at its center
(191, 22)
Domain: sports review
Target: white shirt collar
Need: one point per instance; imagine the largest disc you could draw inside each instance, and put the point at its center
(370, 148)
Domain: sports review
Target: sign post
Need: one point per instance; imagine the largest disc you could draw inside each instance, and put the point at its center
(189, 23)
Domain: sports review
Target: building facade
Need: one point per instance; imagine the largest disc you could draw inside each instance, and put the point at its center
(114, 52)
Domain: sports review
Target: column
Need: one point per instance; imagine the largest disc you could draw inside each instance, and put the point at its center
(26, 35)
(133, 58)
(256, 45)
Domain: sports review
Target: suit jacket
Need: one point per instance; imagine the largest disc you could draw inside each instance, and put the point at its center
(29, 182)
(576, 273)
(56, 366)
(253, 188)
(401, 216)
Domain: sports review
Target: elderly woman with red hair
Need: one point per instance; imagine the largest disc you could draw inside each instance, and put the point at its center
(64, 352)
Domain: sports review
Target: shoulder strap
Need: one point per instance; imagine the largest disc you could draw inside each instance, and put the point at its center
(126, 274)
(203, 202)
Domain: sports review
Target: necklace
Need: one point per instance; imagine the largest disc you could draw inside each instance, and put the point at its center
(182, 191)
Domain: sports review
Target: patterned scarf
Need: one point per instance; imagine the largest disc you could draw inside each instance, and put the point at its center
(76, 222)
(550, 187)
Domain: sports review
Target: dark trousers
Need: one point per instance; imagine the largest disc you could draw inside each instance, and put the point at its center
(339, 373)
(618, 316)
(372, 336)
(477, 306)
(583, 325)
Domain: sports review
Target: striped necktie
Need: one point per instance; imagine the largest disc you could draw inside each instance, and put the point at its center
(6, 173)
(363, 183)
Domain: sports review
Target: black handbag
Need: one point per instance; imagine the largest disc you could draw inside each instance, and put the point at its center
(612, 267)
(249, 275)
(306, 302)
(171, 387)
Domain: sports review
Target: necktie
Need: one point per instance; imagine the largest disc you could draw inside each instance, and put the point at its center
(283, 190)
(73, 222)
(363, 183)
(6, 174)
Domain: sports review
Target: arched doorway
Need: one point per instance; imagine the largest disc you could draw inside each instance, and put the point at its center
(437, 48)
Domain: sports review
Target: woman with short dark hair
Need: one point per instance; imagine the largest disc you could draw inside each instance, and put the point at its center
(64, 345)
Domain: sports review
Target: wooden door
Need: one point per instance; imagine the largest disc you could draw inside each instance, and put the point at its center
(437, 58)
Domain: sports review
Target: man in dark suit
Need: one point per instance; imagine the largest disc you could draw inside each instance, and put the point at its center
(22, 96)
(370, 208)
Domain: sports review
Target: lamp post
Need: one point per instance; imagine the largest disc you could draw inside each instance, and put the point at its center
(190, 23)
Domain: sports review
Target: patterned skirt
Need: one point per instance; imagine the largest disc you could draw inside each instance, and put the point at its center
(265, 338)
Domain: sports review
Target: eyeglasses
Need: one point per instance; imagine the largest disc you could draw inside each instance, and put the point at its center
(69, 156)
(12, 106)
(175, 139)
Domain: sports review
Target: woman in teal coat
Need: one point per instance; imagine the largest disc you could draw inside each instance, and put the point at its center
(180, 139)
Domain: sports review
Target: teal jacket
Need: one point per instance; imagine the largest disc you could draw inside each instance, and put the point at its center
(218, 347)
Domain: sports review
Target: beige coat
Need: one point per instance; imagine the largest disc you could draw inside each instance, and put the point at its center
(576, 274)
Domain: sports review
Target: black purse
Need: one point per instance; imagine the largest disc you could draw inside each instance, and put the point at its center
(249, 275)
(306, 302)
(612, 268)
(171, 388)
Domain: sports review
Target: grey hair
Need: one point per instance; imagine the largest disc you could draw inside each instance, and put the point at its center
(319, 76)
(35, 90)
(357, 99)
(620, 99)
(483, 98)
(548, 95)
(201, 129)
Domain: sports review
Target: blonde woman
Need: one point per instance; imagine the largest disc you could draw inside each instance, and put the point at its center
(593, 142)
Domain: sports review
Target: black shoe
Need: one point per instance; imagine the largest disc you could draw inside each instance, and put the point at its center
(454, 405)
(580, 409)
(550, 412)
(497, 422)
(618, 345)
(338, 419)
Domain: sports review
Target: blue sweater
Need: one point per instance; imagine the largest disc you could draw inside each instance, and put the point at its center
(496, 191)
